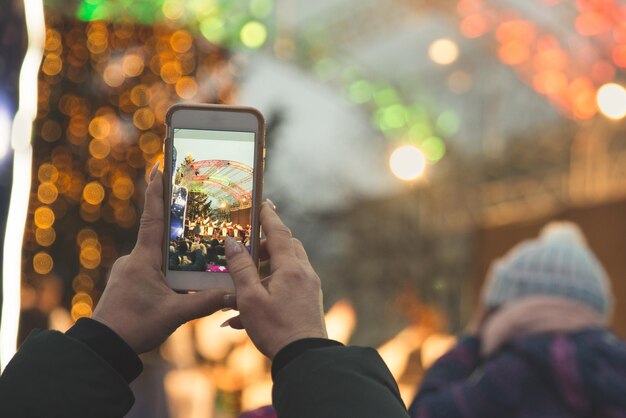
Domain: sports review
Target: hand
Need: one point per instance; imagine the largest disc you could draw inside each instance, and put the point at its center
(137, 303)
(287, 305)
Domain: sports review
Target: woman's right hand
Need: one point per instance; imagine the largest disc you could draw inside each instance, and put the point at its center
(287, 305)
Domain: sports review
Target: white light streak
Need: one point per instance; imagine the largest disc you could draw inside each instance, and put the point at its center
(22, 164)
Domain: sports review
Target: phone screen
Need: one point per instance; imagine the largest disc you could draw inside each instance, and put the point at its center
(211, 197)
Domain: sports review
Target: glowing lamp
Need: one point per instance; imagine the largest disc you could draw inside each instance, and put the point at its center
(407, 163)
(611, 100)
(443, 51)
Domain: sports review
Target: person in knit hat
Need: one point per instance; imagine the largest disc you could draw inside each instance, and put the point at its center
(540, 346)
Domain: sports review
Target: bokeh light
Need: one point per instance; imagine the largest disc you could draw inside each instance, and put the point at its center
(612, 101)
(47, 193)
(443, 51)
(44, 217)
(90, 257)
(93, 193)
(81, 310)
(45, 236)
(42, 263)
(253, 34)
(407, 162)
(47, 173)
(83, 283)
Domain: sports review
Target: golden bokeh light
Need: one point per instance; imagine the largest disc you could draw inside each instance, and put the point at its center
(53, 41)
(45, 236)
(44, 217)
(99, 127)
(186, 87)
(132, 65)
(99, 148)
(52, 65)
(42, 263)
(93, 193)
(84, 234)
(407, 162)
(82, 297)
(181, 41)
(51, 131)
(150, 143)
(140, 95)
(143, 119)
(171, 72)
(47, 193)
(97, 41)
(64, 182)
(90, 257)
(443, 51)
(81, 310)
(47, 173)
(82, 283)
(89, 213)
(123, 188)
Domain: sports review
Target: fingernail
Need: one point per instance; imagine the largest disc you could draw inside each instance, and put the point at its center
(271, 204)
(232, 247)
(226, 309)
(225, 324)
(154, 170)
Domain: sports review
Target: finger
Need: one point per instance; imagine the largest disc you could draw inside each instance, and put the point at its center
(150, 237)
(235, 322)
(199, 304)
(241, 268)
(279, 242)
(300, 251)
(230, 301)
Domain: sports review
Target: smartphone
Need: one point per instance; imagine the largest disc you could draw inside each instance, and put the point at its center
(213, 175)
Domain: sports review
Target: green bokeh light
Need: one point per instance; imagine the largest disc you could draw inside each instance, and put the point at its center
(434, 149)
(419, 132)
(448, 123)
(261, 8)
(253, 34)
(93, 10)
(395, 116)
(212, 29)
(386, 97)
(360, 91)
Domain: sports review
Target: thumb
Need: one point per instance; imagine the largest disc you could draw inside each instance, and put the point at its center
(199, 304)
(150, 235)
(242, 269)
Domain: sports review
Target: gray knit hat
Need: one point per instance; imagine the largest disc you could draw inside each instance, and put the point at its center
(558, 263)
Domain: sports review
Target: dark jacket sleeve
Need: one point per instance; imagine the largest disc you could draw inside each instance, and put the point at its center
(337, 382)
(54, 375)
(458, 385)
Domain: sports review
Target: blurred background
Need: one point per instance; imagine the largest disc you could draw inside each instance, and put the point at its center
(409, 143)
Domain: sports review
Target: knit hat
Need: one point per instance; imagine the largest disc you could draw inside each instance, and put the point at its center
(558, 263)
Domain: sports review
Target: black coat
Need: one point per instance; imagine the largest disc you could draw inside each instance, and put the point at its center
(337, 382)
(56, 376)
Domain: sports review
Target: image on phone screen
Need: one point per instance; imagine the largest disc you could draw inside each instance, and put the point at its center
(211, 197)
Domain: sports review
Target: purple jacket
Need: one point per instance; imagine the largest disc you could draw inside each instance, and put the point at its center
(580, 374)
